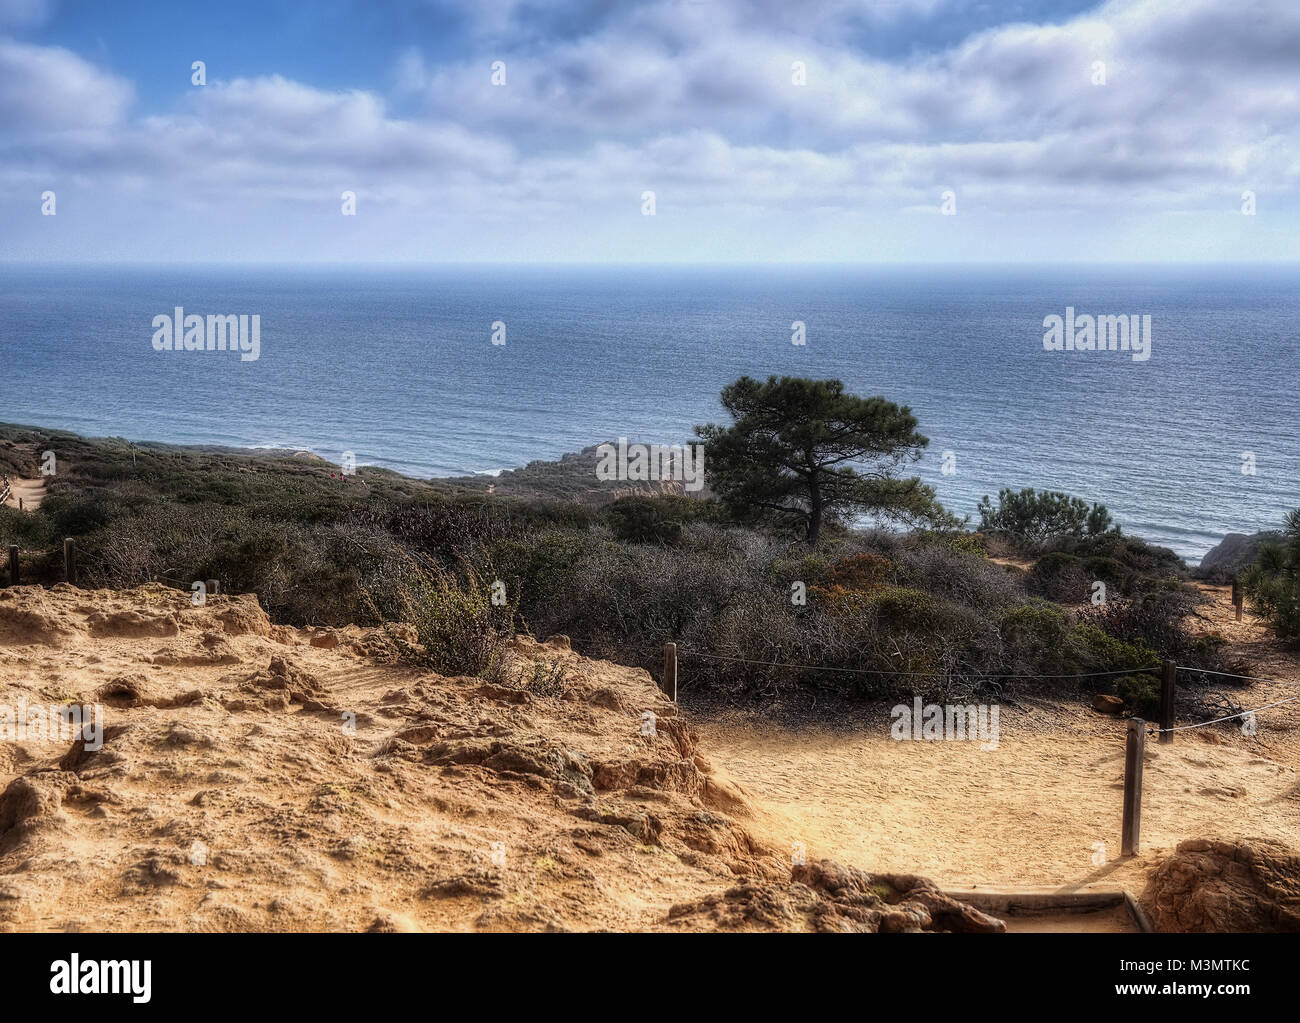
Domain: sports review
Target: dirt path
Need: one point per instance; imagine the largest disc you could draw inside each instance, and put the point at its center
(1028, 812)
(32, 493)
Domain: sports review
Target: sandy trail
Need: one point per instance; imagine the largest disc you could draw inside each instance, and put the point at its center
(1028, 812)
(32, 493)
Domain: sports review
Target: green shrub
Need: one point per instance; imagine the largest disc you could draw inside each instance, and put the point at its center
(541, 561)
(1035, 635)
(644, 520)
(1092, 650)
(1273, 583)
(956, 540)
(901, 607)
(1140, 693)
(1060, 577)
(458, 628)
(1108, 571)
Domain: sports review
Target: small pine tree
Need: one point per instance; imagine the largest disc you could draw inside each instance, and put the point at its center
(1272, 583)
(804, 452)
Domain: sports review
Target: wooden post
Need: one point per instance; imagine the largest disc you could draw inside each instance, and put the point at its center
(1168, 683)
(212, 587)
(13, 564)
(1238, 597)
(1134, 752)
(670, 671)
(69, 558)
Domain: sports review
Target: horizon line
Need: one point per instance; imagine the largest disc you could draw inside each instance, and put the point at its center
(540, 264)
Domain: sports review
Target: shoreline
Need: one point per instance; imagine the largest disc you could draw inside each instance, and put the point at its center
(472, 478)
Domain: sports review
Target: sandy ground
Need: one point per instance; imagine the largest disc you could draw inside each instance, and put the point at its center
(1029, 812)
(258, 777)
(32, 493)
(255, 777)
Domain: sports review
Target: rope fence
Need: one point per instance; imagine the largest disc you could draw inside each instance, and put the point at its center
(1135, 742)
(212, 587)
(923, 674)
(1135, 739)
(679, 650)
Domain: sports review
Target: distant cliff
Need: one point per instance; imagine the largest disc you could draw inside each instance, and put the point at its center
(1234, 552)
(572, 478)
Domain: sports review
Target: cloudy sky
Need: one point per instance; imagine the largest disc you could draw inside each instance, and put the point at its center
(1001, 103)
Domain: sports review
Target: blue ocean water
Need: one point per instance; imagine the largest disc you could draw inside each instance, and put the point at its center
(397, 365)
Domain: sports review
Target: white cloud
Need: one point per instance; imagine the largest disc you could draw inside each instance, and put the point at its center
(695, 101)
(47, 90)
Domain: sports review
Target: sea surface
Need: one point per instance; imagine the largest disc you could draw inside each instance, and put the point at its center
(398, 366)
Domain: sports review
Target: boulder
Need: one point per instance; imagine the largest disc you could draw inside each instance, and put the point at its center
(1106, 704)
(1250, 885)
(827, 897)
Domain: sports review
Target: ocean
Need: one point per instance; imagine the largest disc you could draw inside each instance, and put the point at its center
(398, 366)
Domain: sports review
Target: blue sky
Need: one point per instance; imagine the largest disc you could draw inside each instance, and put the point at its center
(1118, 131)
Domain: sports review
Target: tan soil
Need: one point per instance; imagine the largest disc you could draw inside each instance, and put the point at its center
(1029, 812)
(256, 777)
(229, 732)
(32, 493)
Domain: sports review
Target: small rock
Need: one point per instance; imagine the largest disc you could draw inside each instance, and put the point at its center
(1104, 703)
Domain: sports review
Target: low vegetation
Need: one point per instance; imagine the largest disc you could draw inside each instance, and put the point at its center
(936, 611)
(1273, 582)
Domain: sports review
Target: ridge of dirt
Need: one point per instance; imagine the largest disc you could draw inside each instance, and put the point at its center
(255, 777)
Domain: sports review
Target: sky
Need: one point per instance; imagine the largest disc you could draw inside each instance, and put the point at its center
(768, 131)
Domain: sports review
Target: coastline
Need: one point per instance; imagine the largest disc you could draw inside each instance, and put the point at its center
(484, 481)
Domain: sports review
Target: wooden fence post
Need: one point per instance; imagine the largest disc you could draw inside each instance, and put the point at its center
(13, 564)
(1134, 752)
(1168, 683)
(670, 671)
(69, 558)
(1238, 597)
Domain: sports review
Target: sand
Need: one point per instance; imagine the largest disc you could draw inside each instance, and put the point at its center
(262, 778)
(1031, 811)
(227, 737)
(32, 493)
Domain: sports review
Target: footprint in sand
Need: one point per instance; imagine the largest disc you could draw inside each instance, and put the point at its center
(1228, 792)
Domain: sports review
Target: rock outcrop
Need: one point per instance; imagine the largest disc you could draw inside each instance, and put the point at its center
(827, 897)
(1251, 885)
(1233, 553)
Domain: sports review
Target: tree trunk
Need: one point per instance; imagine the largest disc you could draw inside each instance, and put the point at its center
(814, 513)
